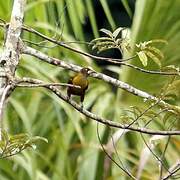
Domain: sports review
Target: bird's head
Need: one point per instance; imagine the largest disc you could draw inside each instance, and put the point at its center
(85, 71)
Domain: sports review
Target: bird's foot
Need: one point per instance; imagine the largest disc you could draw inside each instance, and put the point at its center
(82, 106)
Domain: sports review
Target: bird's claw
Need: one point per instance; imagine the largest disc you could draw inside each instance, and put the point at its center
(82, 106)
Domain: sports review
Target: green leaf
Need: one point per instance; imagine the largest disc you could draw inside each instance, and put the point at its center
(103, 45)
(36, 139)
(75, 21)
(92, 17)
(171, 68)
(126, 6)
(22, 112)
(108, 13)
(13, 144)
(117, 31)
(107, 32)
(143, 58)
(153, 57)
(102, 39)
(157, 41)
(156, 51)
(19, 137)
(174, 88)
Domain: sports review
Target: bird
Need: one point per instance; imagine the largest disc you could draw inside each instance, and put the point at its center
(80, 79)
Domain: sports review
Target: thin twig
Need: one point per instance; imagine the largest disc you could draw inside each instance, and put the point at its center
(114, 145)
(173, 169)
(113, 81)
(152, 152)
(37, 83)
(46, 84)
(2, 102)
(111, 60)
(39, 44)
(145, 111)
(129, 174)
(162, 157)
(106, 121)
(63, 44)
(150, 71)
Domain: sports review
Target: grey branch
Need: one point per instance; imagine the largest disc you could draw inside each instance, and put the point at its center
(32, 83)
(113, 81)
(2, 104)
(103, 120)
(76, 68)
(10, 54)
(111, 60)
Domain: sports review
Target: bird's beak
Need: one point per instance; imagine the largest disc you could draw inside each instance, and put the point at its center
(89, 69)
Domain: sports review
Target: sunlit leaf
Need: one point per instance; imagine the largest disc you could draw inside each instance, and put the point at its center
(117, 31)
(154, 58)
(107, 32)
(156, 51)
(143, 58)
(157, 41)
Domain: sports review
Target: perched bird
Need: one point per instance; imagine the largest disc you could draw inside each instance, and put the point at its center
(80, 79)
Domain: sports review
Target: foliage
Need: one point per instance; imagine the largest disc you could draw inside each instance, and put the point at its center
(111, 41)
(73, 151)
(144, 49)
(12, 145)
(147, 50)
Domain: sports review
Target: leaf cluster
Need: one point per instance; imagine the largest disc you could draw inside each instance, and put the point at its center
(11, 145)
(111, 40)
(148, 50)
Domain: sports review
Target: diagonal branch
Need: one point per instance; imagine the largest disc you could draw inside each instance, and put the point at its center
(32, 83)
(76, 68)
(106, 121)
(111, 60)
(64, 45)
(113, 81)
(173, 169)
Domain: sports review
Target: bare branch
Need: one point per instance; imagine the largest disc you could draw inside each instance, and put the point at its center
(111, 148)
(2, 103)
(113, 81)
(63, 44)
(31, 83)
(109, 156)
(106, 121)
(9, 58)
(63, 64)
(10, 55)
(163, 156)
(111, 60)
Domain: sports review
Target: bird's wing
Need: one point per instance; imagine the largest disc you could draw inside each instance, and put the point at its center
(70, 80)
(87, 85)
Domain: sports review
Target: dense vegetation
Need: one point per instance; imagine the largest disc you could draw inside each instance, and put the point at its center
(74, 150)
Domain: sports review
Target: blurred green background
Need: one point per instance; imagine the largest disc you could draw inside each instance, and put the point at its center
(74, 151)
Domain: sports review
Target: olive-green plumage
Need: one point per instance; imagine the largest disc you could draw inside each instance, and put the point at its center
(80, 79)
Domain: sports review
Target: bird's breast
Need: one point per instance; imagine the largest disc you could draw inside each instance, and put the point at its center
(80, 80)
